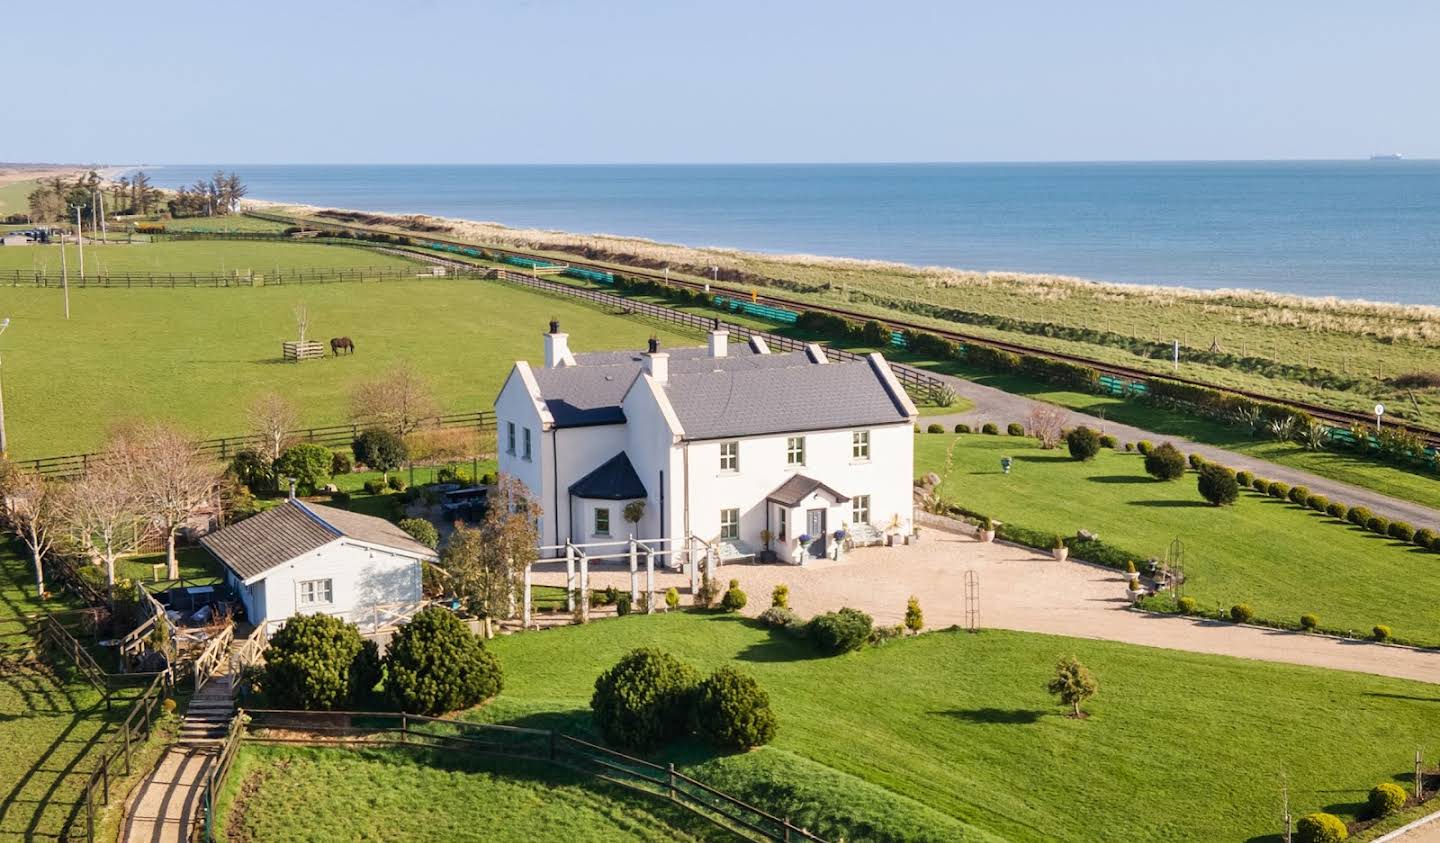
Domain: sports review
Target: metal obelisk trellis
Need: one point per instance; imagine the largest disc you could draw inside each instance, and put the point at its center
(1175, 563)
(972, 601)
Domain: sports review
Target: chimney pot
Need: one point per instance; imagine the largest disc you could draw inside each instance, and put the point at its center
(554, 326)
(654, 345)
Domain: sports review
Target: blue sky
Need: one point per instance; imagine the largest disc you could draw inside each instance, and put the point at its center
(437, 81)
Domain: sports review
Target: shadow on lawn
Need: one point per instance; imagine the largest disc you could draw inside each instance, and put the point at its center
(1409, 697)
(996, 716)
(1120, 478)
(1169, 504)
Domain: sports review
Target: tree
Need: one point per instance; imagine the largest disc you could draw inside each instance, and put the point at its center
(174, 481)
(643, 701)
(318, 663)
(1046, 422)
(485, 563)
(302, 320)
(731, 711)
(914, 618)
(272, 419)
(435, 664)
(1165, 462)
(1218, 484)
(1083, 442)
(103, 511)
(381, 450)
(1073, 684)
(29, 509)
(307, 464)
(399, 401)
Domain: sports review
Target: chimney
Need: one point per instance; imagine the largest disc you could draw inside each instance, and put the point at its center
(719, 342)
(657, 362)
(557, 347)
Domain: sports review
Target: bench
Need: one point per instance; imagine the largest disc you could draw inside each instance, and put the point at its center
(864, 535)
(733, 551)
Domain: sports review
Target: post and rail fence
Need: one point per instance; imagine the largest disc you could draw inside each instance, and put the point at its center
(355, 730)
(277, 277)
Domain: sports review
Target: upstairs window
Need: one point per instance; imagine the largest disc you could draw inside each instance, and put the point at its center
(795, 450)
(526, 453)
(729, 456)
(510, 438)
(730, 525)
(860, 445)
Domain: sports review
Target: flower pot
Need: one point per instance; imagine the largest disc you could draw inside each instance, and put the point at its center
(987, 536)
(1060, 553)
(1132, 576)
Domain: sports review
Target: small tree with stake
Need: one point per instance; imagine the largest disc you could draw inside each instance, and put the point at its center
(1073, 684)
(381, 450)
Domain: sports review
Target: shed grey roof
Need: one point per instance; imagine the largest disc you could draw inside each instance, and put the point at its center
(294, 528)
(798, 488)
(614, 480)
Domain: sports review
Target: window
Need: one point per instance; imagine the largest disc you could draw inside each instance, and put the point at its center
(316, 592)
(729, 456)
(526, 454)
(860, 509)
(510, 438)
(860, 445)
(602, 521)
(730, 525)
(795, 450)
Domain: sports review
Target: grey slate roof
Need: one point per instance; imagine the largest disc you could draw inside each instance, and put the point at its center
(614, 480)
(799, 487)
(294, 528)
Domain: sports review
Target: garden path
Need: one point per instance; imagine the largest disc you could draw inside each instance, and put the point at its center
(1025, 590)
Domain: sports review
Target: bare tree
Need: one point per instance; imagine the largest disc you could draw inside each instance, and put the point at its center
(272, 418)
(302, 319)
(174, 481)
(103, 511)
(398, 401)
(485, 564)
(29, 508)
(1046, 422)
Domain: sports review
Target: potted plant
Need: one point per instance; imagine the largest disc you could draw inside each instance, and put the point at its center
(1135, 590)
(1059, 550)
(839, 537)
(803, 542)
(915, 535)
(767, 555)
(987, 530)
(1130, 573)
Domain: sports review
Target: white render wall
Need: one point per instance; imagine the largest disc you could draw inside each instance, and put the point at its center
(514, 405)
(361, 577)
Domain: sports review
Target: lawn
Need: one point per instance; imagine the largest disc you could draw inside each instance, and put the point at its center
(229, 222)
(1279, 558)
(199, 256)
(199, 357)
(279, 793)
(920, 739)
(15, 197)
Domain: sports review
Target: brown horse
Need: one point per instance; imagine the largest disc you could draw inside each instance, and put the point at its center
(341, 343)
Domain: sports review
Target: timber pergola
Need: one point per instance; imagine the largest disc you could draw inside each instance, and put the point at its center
(692, 550)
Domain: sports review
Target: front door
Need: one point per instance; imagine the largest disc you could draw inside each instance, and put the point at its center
(815, 526)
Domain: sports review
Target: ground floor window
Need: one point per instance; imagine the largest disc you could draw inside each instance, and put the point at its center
(860, 509)
(317, 592)
(602, 521)
(729, 524)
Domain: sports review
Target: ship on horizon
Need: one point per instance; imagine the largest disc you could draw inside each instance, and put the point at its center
(1387, 156)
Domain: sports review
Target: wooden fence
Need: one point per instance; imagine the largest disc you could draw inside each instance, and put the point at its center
(216, 280)
(116, 755)
(354, 730)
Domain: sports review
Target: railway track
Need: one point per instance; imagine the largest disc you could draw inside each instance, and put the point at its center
(1343, 418)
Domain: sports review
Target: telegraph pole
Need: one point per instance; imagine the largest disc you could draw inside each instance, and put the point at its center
(65, 277)
(4, 443)
(80, 238)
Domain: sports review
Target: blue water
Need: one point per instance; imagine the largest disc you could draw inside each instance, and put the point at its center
(1355, 229)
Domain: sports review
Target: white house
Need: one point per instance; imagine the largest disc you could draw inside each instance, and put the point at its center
(728, 443)
(304, 558)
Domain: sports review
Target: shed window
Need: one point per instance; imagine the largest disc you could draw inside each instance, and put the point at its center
(317, 592)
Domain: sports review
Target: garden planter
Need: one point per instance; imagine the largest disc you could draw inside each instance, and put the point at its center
(987, 536)
(1060, 553)
(1132, 576)
(767, 556)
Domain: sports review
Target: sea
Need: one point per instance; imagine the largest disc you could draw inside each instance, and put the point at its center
(1366, 229)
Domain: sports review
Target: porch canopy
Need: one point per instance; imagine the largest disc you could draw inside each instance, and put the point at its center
(798, 488)
(614, 480)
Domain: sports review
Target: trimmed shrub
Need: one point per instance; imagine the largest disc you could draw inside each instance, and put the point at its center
(307, 463)
(1381, 632)
(397, 483)
(840, 632)
(375, 486)
(314, 663)
(1309, 622)
(1108, 441)
(1317, 502)
(1196, 461)
(780, 596)
(1129, 446)
(1144, 446)
(1400, 531)
(1385, 799)
(1337, 510)
(1378, 524)
(732, 711)
(1320, 827)
(421, 531)
(1244, 478)
(340, 498)
(436, 664)
(1298, 494)
(990, 429)
(1015, 429)
(777, 617)
(734, 599)
(1241, 613)
(914, 617)
(380, 450)
(962, 428)
(1217, 484)
(643, 701)
(1278, 490)
(1424, 537)
(1260, 485)
(341, 463)
(1165, 462)
(1186, 605)
(1083, 442)
(672, 598)
(1359, 516)
(935, 427)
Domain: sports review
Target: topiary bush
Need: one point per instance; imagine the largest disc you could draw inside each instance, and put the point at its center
(644, 700)
(1381, 632)
(1015, 429)
(1244, 478)
(1385, 799)
(314, 663)
(731, 711)
(1298, 494)
(1186, 605)
(1320, 827)
(1241, 613)
(1108, 441)
(1317, 503)
(734, 599)
(780, 596)
(672, 598)
(1278, 490)
(1424, 537)
(1338, 510)
(341, 463)
(1129, 446)
(990, 429)
(962, 428)
(421, 531)
(1144, 446)
(1196, 461)
(935, 427)
(1083, 442)
(1359, 516)
(1165, 462)
(1217, 485)
(1401, 531)
(840, 632)
(1309, 622)
(374, 486)
(1260, 485)
(777, 617)
(435, 664)
(397, 483)
(307, 463)
(1378, 524)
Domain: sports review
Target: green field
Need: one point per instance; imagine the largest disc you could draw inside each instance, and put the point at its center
(15, 197)
(198, 256)
(229, 222)
(920, 739)
(199, 357)
(276, 794)
(1282, 560)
